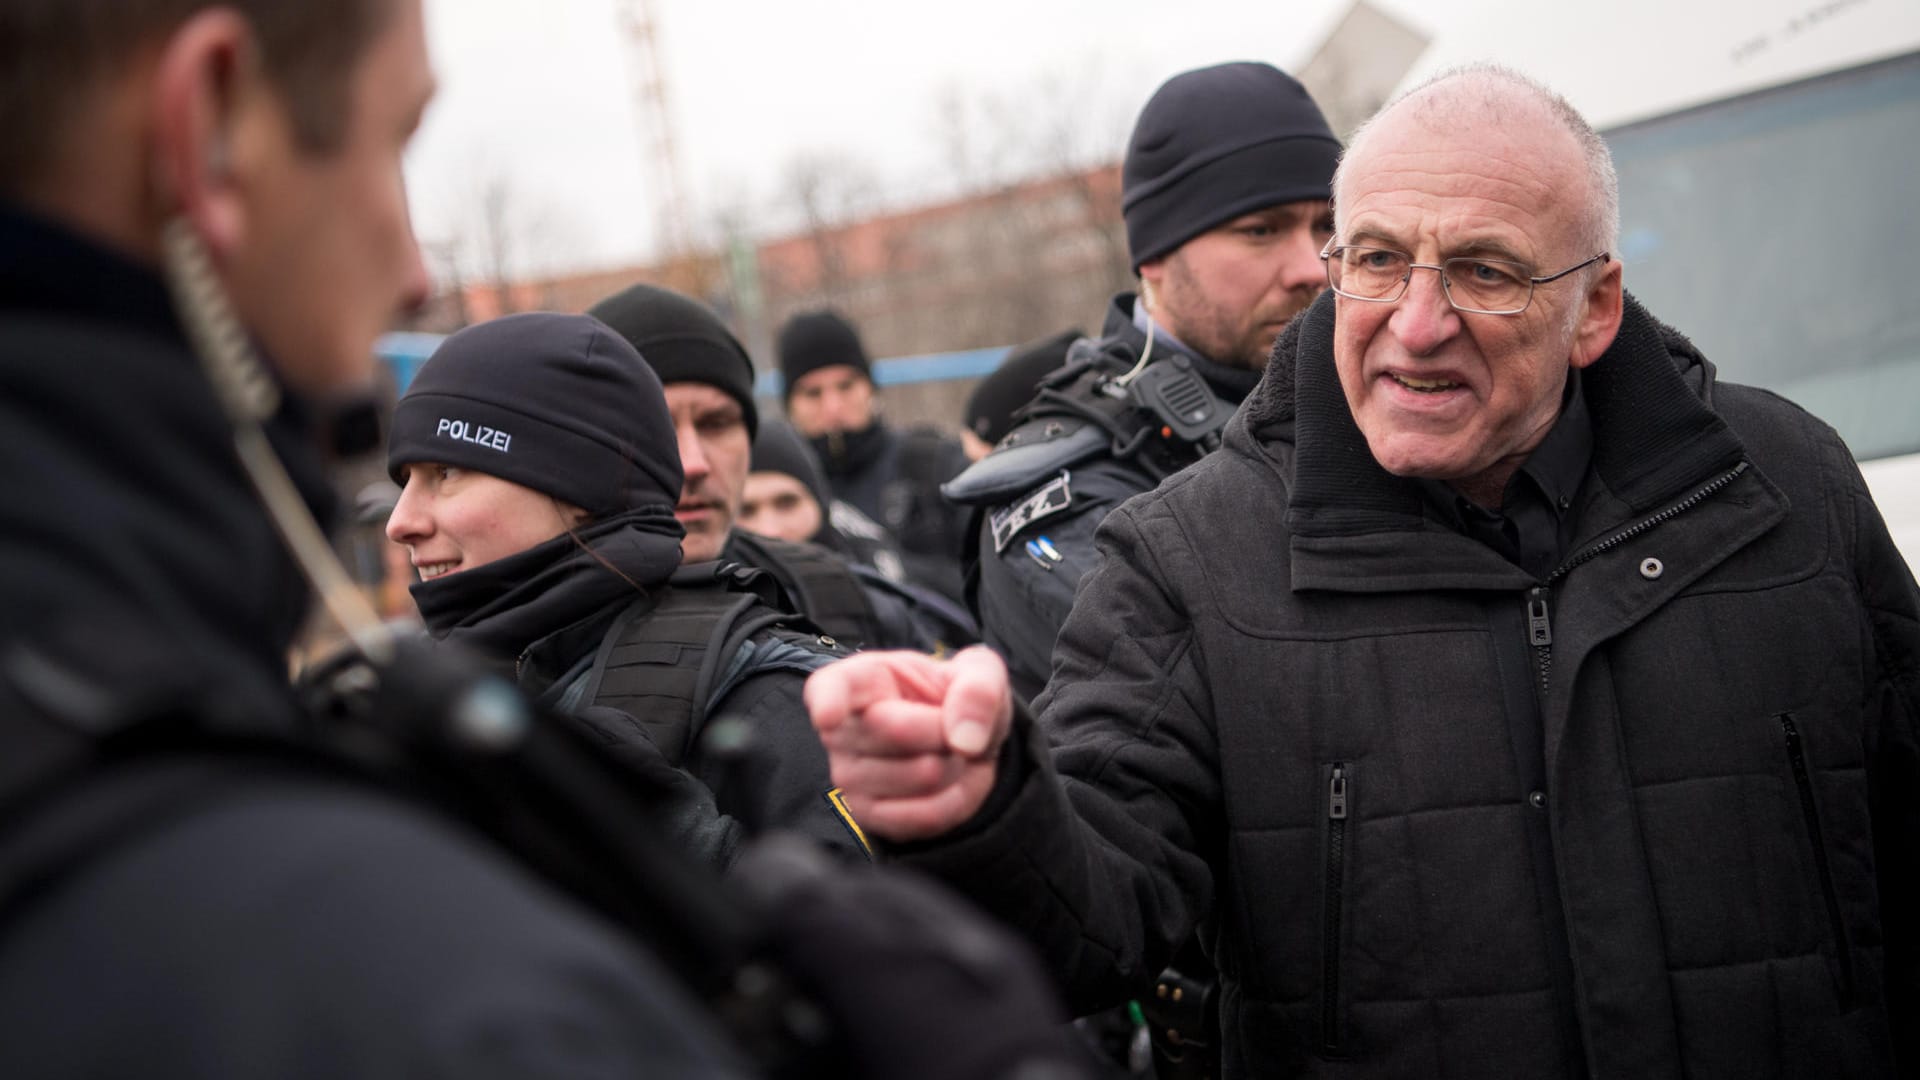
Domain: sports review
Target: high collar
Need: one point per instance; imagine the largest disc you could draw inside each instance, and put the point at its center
(1232, 384)
(126, 504)
(1654, 434)
(526, 606)
(853, 452)
(50, 270)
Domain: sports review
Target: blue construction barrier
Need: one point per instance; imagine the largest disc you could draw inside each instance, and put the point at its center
(404, 353)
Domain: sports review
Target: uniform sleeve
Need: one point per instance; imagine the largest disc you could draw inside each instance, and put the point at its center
(1892, 600)
(1092, 844)
(783, 781)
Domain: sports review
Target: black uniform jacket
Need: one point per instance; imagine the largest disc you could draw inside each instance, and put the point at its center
(1656, 815)
(1027, 575)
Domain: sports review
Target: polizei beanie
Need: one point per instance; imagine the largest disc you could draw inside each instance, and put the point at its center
(817, 339)
(1216, 143)
(682, 340)
(557, 403)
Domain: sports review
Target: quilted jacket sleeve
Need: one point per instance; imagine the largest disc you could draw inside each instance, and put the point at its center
(1092, 845)
(1887, 586)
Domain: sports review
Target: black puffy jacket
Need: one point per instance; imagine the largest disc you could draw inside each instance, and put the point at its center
(1658, 816)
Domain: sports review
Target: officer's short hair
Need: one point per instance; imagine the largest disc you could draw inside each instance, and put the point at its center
(51, 51)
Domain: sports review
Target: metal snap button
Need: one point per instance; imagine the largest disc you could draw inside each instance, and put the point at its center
(1651, 568)
(1537, 800)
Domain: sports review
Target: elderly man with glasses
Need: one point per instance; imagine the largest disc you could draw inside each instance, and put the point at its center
(1507, 697)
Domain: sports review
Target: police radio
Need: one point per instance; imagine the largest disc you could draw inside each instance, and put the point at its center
(1183, 403)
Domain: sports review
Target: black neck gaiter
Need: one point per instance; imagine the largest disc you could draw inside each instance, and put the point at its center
(850, 452)
(501, 608)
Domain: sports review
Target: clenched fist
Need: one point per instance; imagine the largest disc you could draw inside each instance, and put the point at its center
(912, 740)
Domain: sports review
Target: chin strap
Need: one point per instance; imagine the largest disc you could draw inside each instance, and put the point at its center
(250, 396)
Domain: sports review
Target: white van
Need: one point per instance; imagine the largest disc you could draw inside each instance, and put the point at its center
(1769, 158)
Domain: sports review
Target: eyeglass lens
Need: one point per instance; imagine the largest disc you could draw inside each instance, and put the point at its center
(1480, 284)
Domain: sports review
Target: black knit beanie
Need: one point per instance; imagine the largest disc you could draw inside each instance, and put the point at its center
(779, 448)
(990, 410)
(682, 340)
(557, 403)
(818, 339)
(1217, 143)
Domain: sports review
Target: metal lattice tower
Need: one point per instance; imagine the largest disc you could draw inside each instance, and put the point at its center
(658, 154)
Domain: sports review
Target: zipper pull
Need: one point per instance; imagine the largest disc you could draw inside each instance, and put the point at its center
(1337, 794)
(1539, 618)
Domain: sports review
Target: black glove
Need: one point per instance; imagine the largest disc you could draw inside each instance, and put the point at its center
(920, 985)
(686, 807)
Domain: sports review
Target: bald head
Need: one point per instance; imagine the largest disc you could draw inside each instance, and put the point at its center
(1498, 98)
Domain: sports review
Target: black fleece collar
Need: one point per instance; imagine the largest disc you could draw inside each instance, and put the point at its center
(507, 608)
(1653, 434)
(853, 452)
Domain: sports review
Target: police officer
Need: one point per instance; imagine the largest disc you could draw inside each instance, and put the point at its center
(539, 475)
(198, 877)
(890, 475)
(1225, 193)
(785, 501)
(709, 384)
(992, 406)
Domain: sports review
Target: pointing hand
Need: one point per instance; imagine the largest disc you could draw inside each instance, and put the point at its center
(912, 740)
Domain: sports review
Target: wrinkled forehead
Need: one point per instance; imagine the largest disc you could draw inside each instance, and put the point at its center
(1465, 158)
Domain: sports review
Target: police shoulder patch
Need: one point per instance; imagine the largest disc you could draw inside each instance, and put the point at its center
(1043, 502)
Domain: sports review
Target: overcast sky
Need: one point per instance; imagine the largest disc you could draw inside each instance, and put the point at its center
(536, 98)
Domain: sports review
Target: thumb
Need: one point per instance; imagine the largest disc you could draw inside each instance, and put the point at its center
(978, 706)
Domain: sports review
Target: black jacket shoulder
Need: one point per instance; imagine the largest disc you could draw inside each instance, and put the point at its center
(303, 928)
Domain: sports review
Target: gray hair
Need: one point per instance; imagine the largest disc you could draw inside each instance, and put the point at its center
(1602, 227)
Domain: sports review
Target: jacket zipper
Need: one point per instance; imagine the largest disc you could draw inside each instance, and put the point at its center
(1337, 796)
(1796, 757)
(1539, 606)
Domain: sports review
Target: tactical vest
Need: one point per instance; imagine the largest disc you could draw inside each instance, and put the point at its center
(1162, 416)
(820, 583)
(669, 657)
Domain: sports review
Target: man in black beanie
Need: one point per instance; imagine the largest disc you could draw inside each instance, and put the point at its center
(1226, 189)
(708, 380)
(891, 476)
(1010, 386)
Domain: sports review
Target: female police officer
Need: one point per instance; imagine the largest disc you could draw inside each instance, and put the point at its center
(540, 470)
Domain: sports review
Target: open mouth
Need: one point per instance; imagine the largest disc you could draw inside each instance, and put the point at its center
(429, 571)
(1424, 386)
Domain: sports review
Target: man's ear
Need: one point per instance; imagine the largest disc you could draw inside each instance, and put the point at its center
(205, 69)
(1150, 275)
(1600, 321)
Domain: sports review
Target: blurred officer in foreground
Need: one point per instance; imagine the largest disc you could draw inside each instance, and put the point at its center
(709, 385)
(197, 876)
(1224, 190)
(890, 475)
(1508, 696)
